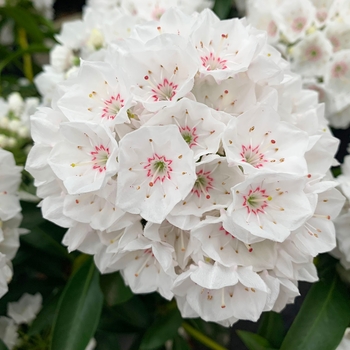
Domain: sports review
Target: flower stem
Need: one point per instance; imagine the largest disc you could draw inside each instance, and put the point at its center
(211, 344)
(27, 59)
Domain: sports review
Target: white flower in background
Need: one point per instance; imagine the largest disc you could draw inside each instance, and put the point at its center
(315, 37)
(186, 155)
(14, 120)
(150, 9)
(345, 342)
(342, 251)
(8, 332)
(10, 218)
(25, 309)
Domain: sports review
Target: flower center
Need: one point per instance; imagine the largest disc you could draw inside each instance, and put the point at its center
(339, 69)
(189, 135)
(321, 15)
(164, 91)
(112, 107)
(157, 13)
(210, 62)
(252, 156)
(99, 158)
(313, 53)
(298, 24)
(158, 168)
(335, 42)
(256, 201)
(272, 28)
(203, 184)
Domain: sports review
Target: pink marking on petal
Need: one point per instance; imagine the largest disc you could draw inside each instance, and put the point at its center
(339, 69)
(99, 158)
(299, 23)
(112, 107)
(158, 168)
(211, 62)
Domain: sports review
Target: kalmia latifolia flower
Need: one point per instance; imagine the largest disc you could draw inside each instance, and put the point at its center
(10, 216)
(187, 156)
(315, 37)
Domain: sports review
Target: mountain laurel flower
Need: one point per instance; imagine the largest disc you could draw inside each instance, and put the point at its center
(10, 216)
(185, 154)
(315, 37)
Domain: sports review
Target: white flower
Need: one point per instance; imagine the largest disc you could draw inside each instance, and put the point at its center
(99, 95)
(311, 54)
(211, 190)
(8, 332)
(196, 123)
(264, 206)
(258, 141)
(25, 309)
(225, 248)
(86, 159)
(10, 178)
(294, 18)
(161, 72)
(225, 48)
(156, 171)
(218, 293)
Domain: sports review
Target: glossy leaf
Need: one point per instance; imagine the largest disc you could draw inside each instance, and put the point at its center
(45, 317)
(34, 48)
(107, 341)
(323, 317)
(272, 328)
(3, 346)
(163, 329)
(25, 20)
(78, 311)
(41, 240)
(180, 344)
(114, 289)
(222, 8)
(133, 312)
(254, 341)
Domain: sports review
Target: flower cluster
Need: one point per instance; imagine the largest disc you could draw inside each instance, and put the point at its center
(10, 217)
(104, 23)
(342, 222)
(315, 37)
(189, 158)
(14, 121)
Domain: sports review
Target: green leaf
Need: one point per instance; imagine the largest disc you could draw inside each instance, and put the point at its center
(79, 310)
(163, 329)
(133, 312)
(180, 344)
(3, 346)
(45, 317)
(34, 48)
(107, 341)
(32, 216)
(254, 341)
(272, 328)
(222, 8)
(41, 240)
(24, 20)
(323, 317)
(114, 289)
